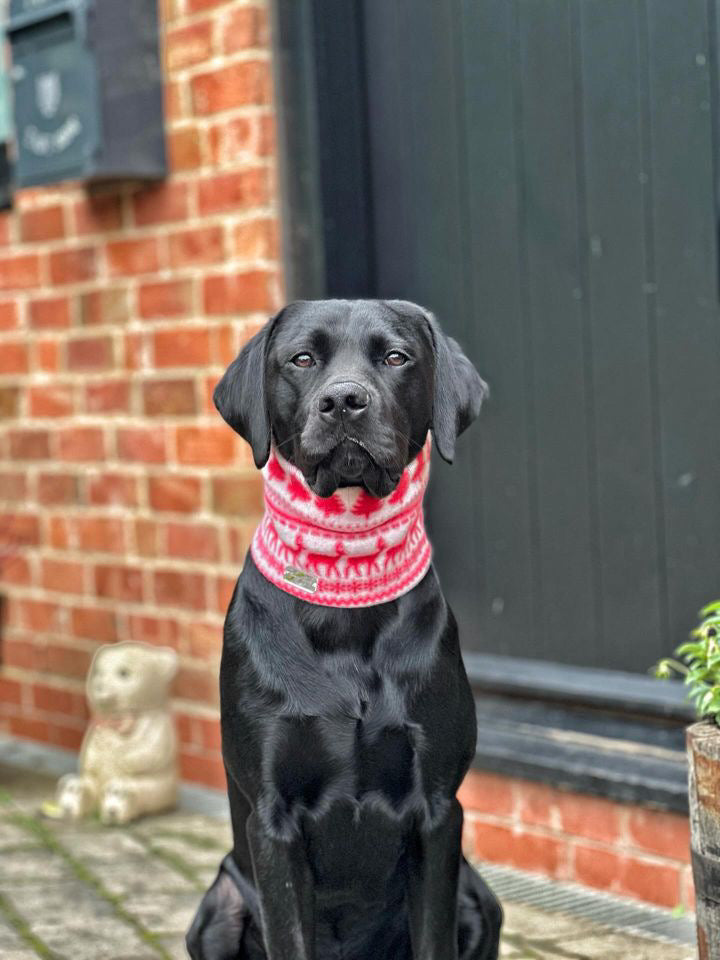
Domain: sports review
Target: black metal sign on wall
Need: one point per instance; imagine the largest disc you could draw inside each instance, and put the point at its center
(541, 173)
(87, 90)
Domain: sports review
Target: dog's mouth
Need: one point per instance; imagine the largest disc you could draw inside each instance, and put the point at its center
(350, 463)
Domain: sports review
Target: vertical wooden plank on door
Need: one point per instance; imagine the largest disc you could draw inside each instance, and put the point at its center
(687, 342)
(419, 223)
(629, 574)
(569, 616)
(505, 622)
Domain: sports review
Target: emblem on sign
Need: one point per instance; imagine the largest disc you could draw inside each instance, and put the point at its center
(48, 92)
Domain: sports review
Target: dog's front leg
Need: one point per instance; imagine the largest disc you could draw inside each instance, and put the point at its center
(433, 888)
(285, 890)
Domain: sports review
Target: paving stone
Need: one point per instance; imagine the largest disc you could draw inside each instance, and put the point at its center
(175, 946)
(102, 846)
(32, 866)
(82, 937)
(143, 876)
(167, 913)
(197, 858)
(13, 836)
(9, 939)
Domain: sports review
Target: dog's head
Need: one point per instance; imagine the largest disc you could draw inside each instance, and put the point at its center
(347, 390)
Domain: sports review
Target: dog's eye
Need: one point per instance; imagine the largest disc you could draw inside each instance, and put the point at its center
(303, 360)
(395, 359)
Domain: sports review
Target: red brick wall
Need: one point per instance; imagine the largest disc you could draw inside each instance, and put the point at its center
(129, 502)
(628, 850)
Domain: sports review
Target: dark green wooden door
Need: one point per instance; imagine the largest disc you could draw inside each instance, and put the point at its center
(542, 177)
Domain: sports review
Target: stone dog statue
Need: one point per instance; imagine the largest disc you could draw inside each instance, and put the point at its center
(128, 758)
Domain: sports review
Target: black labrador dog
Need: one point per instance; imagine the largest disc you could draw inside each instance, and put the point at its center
(346, 732)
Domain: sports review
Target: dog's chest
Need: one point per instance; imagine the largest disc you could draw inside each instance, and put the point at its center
(373, 760)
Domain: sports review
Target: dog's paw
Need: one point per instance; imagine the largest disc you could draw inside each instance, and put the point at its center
(117, 805)
(218, 926)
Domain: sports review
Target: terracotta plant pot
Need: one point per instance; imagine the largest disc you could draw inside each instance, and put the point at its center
(703, 744)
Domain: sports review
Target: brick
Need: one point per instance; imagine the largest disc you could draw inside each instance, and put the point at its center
(198, 6)
(50, 313)
(591, 817)
(162, 631)
(16, 570)
(59, 533)
(234, 140)
(81, 443)
(8, 316)
(146, 538)
(180, 589)
(233, 191)
(141, 444)
(104, 307)
(161, 203)
(483, 792)
(13, 486)
(652, 882)
(205, 446)
(9, 403)
(184, 149)
(113, 489)
(197, 247)
(192, 683)
(63, 576)
(175, 92)
(169, 398)
(90, 353)
(29, 444)
(135, 349)
(108, 397)
(118, 582)
(52, 699)
(10, 691)
(182, 347)
(19, 530)
(238, 293)
(73, 266)
(239, 539)
(522, 849)
(67, 661)
(242, 495)
(189, 45)
(100, 534)
(256, 240)
(55, 401)
(131, 257)
(665, 834)
(175, 494)
(173, 298)
(238, 85)
(201, 768)
(243, 28)
(204, 640)
(40, 616)
(19, 273)
(30, 729)
(224, 589)
(57, 488)
(98, 214)
(42, 223)
(6, 223)
(46, 355)
(13, 357)
(193, 541)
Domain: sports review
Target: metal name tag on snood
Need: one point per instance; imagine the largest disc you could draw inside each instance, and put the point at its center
(346, 550)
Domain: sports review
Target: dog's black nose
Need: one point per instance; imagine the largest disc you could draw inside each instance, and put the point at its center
(345, 398)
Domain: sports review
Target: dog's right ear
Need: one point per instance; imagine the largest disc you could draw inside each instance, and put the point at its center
(240, 396)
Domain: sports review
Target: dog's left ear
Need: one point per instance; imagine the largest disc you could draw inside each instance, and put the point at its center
(458, 391)
(240, 395)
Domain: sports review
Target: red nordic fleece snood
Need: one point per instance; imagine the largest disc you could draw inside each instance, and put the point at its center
(346, 550)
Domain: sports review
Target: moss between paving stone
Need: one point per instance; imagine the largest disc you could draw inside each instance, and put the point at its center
(22, 929)
(50, 842)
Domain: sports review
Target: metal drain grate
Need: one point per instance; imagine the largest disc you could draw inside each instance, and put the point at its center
(603, 908)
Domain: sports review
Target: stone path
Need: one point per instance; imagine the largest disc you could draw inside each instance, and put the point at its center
(70, 892)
